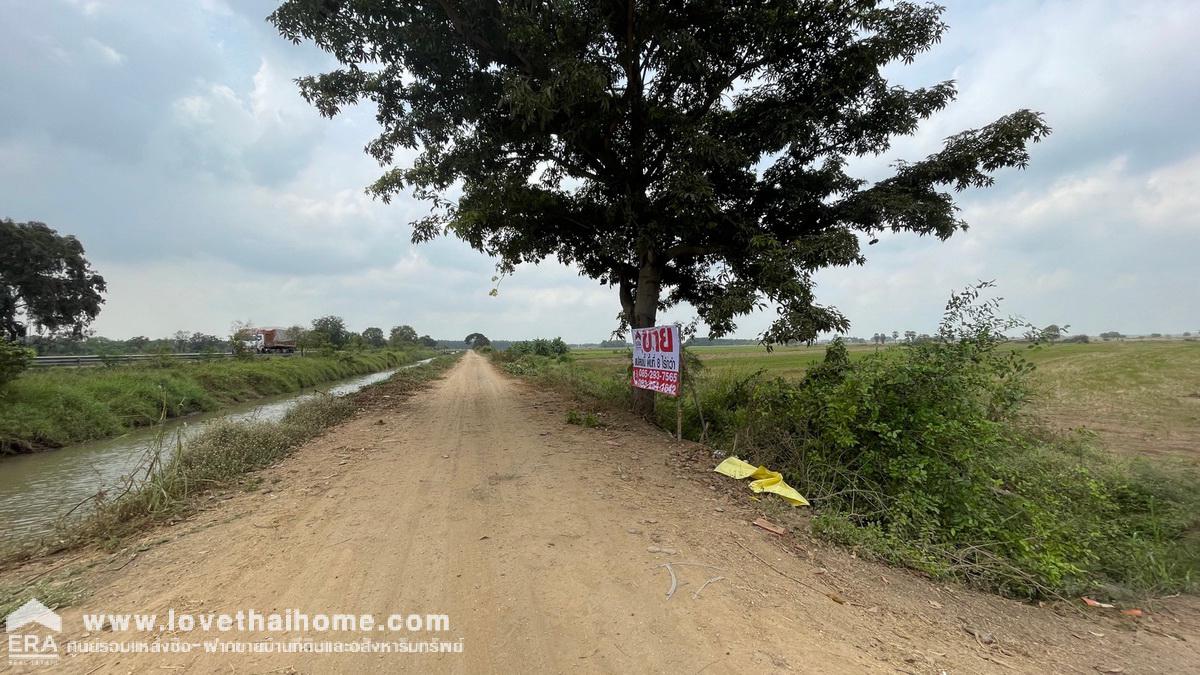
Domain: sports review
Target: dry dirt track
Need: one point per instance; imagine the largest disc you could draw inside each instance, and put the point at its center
(475, 500)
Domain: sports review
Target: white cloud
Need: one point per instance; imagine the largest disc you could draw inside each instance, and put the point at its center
(1102, 247)
(1164, 199)
(106, 54)
(89, 8)
(1169, 198)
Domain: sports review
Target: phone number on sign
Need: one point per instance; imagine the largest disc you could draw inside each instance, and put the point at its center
(662, 381)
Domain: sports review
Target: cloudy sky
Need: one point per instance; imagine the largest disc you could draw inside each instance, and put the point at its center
(169, 137)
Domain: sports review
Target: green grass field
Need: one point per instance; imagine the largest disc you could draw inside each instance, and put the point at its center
(1137, 396)
(783, 361)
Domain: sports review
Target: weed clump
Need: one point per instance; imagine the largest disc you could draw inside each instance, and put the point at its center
(223, 453)
(589, 420)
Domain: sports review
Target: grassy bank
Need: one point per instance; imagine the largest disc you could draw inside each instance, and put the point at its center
(224, 455)
(170, 485)
(54, 408)
(927, 456)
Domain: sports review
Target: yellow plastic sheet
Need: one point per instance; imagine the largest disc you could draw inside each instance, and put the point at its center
(765, 480)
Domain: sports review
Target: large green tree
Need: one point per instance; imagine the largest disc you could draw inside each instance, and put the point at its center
(330, 331)
(402, 335)
(373, 336)
(681, 151)
(45, 281)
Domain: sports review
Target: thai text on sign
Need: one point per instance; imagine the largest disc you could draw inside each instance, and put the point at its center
(656, 359)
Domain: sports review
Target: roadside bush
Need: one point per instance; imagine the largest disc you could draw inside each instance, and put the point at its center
(14, 359)
(525, 365)
(922, 455)
(918, 455)
(562, 373)
(539, 347)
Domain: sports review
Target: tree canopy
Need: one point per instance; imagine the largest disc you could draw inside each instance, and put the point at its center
(477, 340)
(45, 281)
(680, 151)
(402, 335)
(373, 336)
(330, 331)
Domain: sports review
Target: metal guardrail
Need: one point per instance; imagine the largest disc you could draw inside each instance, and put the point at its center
(97, 360)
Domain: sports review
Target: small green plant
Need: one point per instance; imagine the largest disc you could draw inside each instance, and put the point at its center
(590, 420)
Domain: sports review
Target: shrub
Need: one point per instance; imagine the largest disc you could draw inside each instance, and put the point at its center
(14, 359)
(919, 456)
(922, 455)
(539, 347)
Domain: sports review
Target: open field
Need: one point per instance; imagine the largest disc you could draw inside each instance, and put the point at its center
(1137, 396)
(53, 408)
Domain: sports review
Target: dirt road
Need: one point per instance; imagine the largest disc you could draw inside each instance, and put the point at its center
(541, 540)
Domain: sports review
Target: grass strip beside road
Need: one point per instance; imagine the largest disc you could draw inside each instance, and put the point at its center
(54, 408)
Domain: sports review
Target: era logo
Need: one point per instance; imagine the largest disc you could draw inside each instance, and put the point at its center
(27, 647)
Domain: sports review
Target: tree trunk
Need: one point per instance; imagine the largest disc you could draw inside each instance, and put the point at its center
(645, 312)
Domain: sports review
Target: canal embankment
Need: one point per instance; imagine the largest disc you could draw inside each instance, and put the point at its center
(48, 409)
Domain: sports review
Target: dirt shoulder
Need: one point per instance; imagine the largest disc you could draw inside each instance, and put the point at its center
(543, 544)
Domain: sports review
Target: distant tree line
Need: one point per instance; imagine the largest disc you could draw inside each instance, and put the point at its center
(327, 332)
(331, 334)
(181, 342)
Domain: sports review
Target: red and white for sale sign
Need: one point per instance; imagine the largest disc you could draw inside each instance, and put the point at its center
(656, 359)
